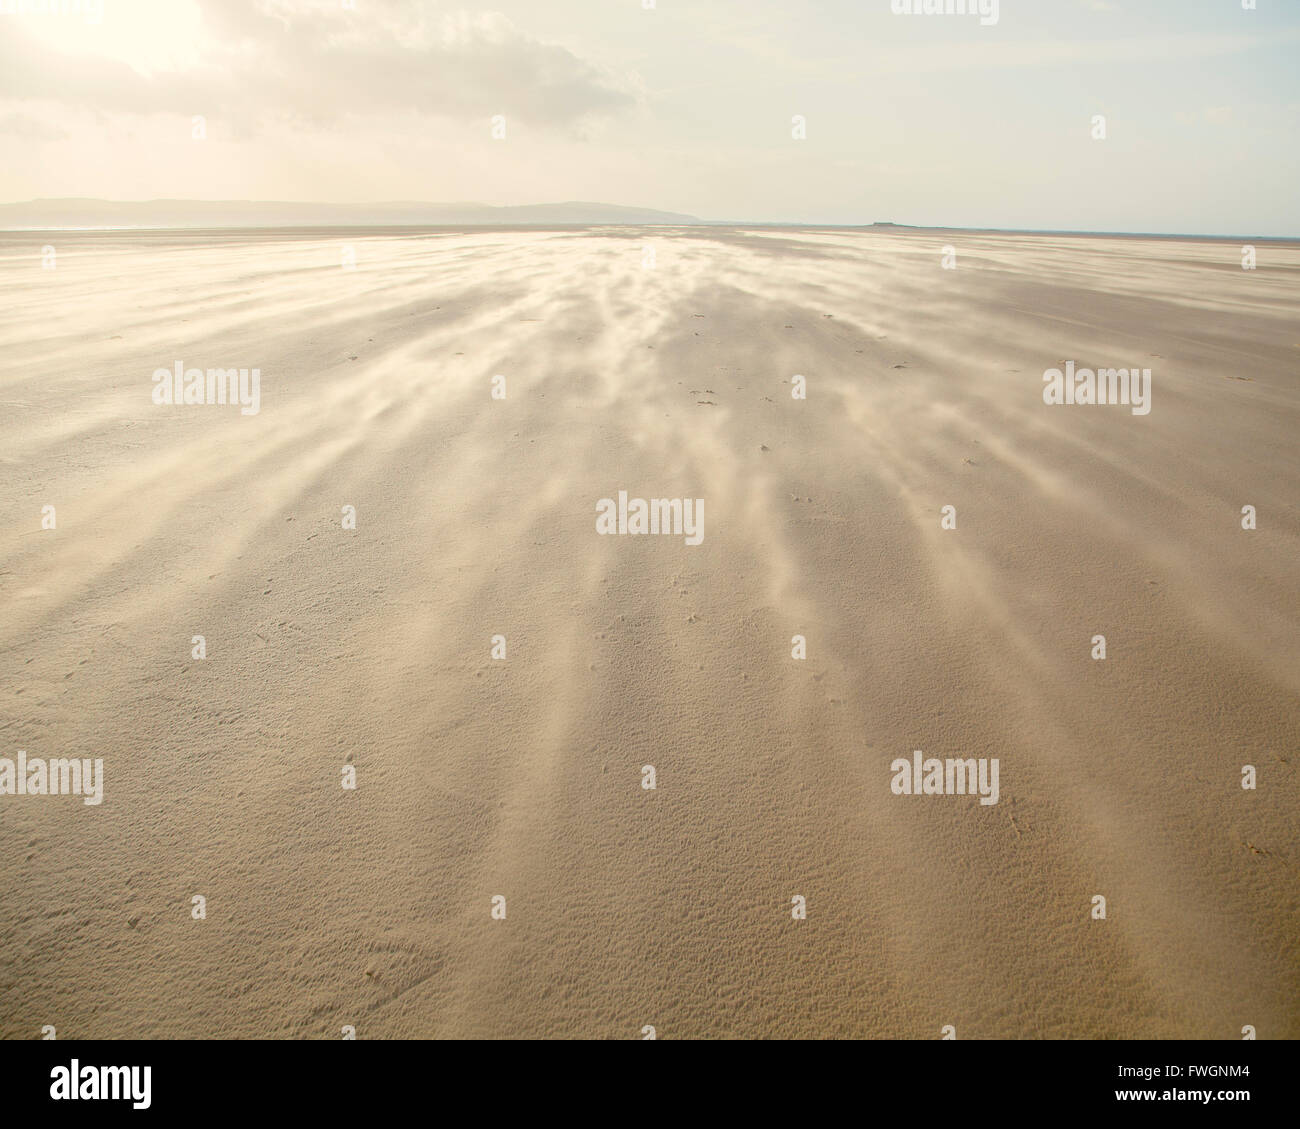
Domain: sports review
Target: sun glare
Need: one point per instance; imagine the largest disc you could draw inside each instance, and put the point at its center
(148, 35)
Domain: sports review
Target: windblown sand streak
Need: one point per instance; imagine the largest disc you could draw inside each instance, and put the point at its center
(475, 517)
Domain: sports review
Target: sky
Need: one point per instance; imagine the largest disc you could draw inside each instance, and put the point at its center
(682, 105)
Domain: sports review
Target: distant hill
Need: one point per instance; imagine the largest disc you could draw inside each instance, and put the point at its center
(258, 213)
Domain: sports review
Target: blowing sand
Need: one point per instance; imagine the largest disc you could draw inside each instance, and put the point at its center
(522, 777)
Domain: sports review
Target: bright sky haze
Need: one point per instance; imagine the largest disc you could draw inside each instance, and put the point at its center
(687, 106)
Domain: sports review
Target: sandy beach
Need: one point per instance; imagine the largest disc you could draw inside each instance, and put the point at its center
(660, 363)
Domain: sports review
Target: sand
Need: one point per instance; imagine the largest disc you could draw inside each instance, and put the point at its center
(629, 907)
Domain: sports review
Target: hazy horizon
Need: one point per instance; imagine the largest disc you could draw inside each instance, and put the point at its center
(462, 209)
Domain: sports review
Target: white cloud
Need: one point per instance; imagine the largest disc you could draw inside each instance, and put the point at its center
(256, 59)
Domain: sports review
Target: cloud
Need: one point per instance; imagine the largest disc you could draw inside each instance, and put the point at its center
(261, 59)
